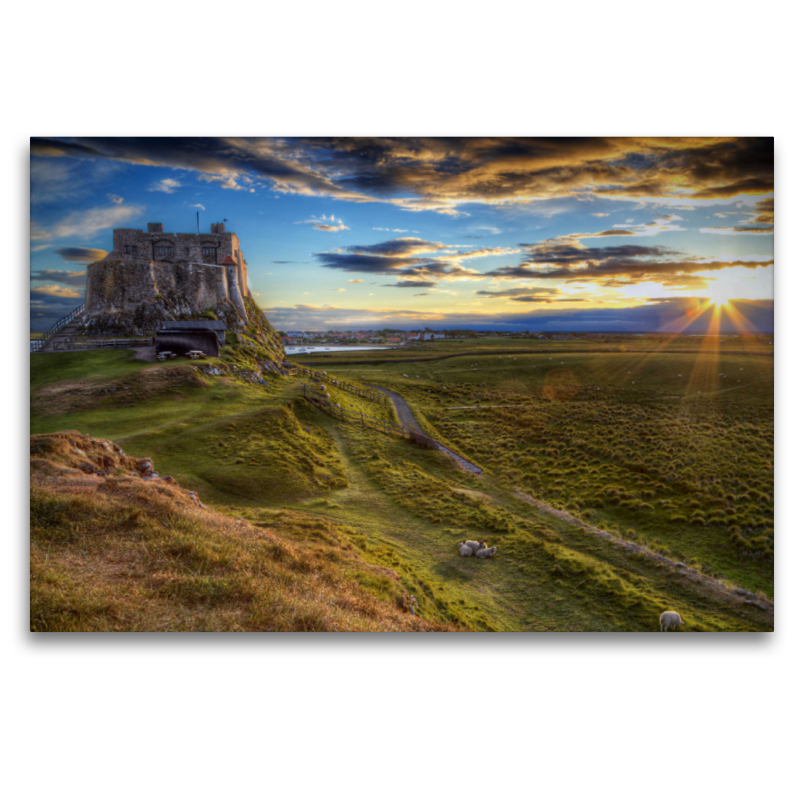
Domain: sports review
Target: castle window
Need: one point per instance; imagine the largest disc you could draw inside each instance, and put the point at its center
(209, 251)
(186, 251)
(164, 251)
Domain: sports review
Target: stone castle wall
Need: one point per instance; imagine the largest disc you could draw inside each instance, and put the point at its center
(204, 248)
(133, 296)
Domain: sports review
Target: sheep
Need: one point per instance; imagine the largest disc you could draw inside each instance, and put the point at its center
(670, 619)
(465, 550)
(486, 552)
(473, 545)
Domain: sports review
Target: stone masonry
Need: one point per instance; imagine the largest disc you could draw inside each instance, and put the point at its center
(151, 276)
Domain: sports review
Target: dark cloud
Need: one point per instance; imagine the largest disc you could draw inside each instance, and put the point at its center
(531, 299)
(622, 265)
(359, 262)
(556, 253)
(765, 212)
(440, 173)
(403, 258)
(81, 255)
(60, 276)
(397, 248)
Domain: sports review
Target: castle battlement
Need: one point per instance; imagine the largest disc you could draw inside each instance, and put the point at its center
(151, 276)
(198, 248)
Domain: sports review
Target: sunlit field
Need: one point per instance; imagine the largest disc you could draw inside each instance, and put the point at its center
(671, 453)
(672, 450)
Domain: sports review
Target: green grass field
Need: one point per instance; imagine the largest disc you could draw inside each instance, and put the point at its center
(669, 450)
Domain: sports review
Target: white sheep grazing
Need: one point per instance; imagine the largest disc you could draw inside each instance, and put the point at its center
(473, 545)
(486, 552)
(670, 619)
(465, 550)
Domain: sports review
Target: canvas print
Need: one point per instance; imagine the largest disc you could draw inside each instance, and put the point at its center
(401, 384)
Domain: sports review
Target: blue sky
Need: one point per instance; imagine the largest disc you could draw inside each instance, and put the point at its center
(501, 234)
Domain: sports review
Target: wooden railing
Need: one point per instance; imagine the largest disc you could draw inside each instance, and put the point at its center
(71, 343)
(40, 344)
(347, 386)
(358, 417)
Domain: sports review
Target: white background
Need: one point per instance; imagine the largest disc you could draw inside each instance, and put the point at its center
(491, 716)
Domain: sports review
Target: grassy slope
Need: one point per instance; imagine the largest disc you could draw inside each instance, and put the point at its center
(117, 552)
(683, 464)
(402, 507)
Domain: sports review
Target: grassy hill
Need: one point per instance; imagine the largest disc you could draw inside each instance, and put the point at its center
(263, 459)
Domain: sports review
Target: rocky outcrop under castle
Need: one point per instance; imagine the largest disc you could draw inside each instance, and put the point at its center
(126, 297)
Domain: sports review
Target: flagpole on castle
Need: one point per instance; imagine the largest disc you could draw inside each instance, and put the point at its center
(198, 223)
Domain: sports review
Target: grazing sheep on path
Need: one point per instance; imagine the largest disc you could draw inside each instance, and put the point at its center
(486, 552)
(473, 545)
(670, 619)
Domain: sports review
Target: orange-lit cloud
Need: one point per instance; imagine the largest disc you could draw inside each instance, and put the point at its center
(440, 174)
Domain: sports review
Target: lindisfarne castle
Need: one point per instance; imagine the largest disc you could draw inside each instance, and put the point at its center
(151, 276)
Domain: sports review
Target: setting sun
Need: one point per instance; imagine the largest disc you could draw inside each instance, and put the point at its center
(721, 293)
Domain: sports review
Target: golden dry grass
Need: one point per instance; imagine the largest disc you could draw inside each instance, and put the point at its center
(117, 552)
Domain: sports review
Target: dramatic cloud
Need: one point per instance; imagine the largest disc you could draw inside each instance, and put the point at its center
(60, 276)
(519, 291)
(47, 293)
(398, 257)
(617, 266)
(530, 295)
(439, 174)
(86, 223)
(410, 259)
(81, 255)
(412, 285)
(739, 230)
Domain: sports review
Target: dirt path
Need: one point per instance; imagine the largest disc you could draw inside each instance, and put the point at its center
(635, 549)
(407, 418)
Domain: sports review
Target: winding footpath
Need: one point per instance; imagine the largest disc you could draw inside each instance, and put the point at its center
(407, 418)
